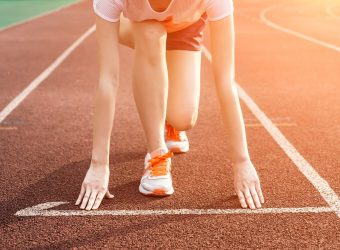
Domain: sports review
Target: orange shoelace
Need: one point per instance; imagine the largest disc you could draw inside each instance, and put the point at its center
(158, 165)
(172, 134)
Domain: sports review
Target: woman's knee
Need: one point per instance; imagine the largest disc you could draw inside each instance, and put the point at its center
(183, 120)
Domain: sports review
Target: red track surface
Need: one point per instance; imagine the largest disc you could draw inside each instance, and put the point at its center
(46, 142)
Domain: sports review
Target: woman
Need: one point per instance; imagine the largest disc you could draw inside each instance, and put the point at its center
(166, 36)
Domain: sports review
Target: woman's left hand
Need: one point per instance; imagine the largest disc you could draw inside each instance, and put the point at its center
(247, 185)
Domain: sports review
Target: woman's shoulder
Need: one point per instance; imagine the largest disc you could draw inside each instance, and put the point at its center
(108, 9)
(218, 9)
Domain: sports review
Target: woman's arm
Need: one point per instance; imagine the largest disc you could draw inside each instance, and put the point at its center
(108, 59)
(246, 181)
(95, 184)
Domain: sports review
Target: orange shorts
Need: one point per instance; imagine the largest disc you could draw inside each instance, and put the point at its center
(189, 38)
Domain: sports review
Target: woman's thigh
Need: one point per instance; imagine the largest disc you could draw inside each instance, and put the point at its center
(184, 68)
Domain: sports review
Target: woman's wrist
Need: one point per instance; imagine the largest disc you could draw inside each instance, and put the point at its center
(238, 159)
(97, 160)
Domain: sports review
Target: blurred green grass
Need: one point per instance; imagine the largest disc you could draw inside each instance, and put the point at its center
(16, 11)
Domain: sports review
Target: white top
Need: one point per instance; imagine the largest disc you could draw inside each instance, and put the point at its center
(178, 15)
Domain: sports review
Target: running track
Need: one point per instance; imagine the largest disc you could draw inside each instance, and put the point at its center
(287, 63)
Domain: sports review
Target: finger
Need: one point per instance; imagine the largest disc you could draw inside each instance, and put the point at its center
(108, 195)
(255, 197)
(91, 199)
(249, 199)
(259, 191)
(86, 197)
(241, 199)
(82, 192)
(99, 199)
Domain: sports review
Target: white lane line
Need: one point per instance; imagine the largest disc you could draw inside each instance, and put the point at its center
(39, 79)
(292, 32)
(41, 210)
(277, 121)
(330, 12)
(305, 168)
(276, 124)
(38, 16)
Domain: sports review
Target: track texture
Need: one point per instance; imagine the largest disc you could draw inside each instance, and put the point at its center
(45, 150)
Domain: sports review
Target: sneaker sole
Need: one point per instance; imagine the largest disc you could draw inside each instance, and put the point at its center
(157, 192)
(179, 150)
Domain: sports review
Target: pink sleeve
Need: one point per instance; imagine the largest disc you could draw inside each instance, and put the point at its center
(218, 9)
(108, 9)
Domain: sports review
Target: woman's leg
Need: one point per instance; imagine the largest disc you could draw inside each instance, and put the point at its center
(184, 88)
(184, 80)
(150, 79)
(150, 88)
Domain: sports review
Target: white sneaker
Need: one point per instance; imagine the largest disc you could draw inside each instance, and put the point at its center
(157, 180)
(176, 141)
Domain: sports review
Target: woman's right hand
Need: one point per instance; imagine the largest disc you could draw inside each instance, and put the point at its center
(94, 187)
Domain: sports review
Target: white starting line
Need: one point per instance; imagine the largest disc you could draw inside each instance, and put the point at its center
(41, 210)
